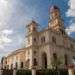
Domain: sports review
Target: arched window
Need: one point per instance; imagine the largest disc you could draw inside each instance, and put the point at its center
(54, 61)
(44, 60)
(34, 39)
(7, 66)
(16, 65)
(71, 45)
(35, 62)
(27, 63)
(54, 56)
(11, 66)
(34, 28)
(43, 39)
(21, 64)
(66, 59)
(35, 52)
(53, 39)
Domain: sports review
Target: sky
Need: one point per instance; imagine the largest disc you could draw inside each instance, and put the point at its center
(16, 14)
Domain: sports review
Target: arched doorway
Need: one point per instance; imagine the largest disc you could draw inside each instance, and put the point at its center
(66, 60)
(44, 60)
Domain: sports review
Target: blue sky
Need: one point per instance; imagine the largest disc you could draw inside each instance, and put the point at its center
(16, 14)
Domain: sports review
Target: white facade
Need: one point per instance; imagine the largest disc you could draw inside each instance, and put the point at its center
(44, 46)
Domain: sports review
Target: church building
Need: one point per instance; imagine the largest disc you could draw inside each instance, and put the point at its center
(44, 48)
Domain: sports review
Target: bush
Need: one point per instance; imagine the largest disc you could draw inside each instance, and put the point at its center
(23, 72)
(7, 72)
(51, 72)
(63, 72)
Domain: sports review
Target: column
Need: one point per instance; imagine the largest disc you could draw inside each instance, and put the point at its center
(14, 72)
(33, 71)
(71, 71)
(1, 71)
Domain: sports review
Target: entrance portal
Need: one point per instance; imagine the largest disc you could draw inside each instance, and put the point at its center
(44, 60)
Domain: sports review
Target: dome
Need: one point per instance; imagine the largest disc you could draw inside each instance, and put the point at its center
(53, 8)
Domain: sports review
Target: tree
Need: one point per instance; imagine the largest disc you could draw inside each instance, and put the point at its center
(56, 62)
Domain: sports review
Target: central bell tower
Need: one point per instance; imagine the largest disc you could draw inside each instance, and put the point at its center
(55, 22)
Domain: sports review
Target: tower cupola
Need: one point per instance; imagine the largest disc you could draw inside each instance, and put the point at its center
(55, 12)
(55, 21)
(32, 27)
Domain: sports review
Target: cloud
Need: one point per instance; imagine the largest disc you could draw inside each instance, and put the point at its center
(4, 38)
(71, 14)
(70, 29)
(7, 32)
(14, 16)
(71, 10)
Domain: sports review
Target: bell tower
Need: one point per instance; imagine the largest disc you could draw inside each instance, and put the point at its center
(32, 42)
(32, 27)
(55, 22)
(31, 33)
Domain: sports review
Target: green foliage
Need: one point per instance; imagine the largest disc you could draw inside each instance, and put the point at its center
(56, 63)
(23, 72)
(52, 72)
(7, 72)
(38, 72)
